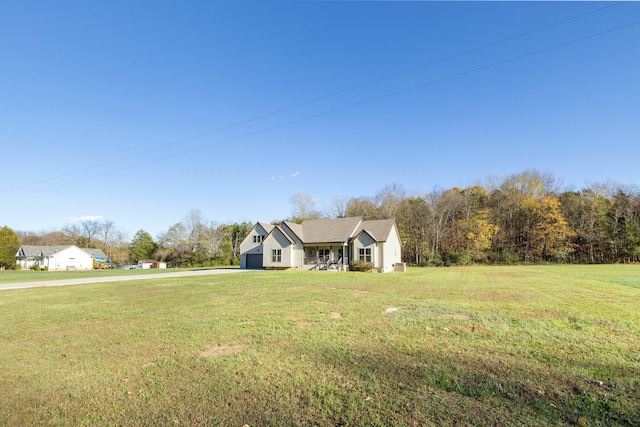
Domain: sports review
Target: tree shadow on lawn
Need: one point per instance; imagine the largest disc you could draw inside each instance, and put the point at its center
(432, 387)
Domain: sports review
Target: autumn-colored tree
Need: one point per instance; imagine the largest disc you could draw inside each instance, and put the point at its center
(512, 205)
(475, 200)
(362, 207)
(479, 233)
(50, 238)
(551, 235)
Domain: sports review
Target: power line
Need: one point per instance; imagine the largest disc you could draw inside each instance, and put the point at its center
(345, 107)
(304, 103)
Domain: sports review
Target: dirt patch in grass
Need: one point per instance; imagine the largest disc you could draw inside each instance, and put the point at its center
(479, 330)
(460, 316)
(303, 323)
(223, 350)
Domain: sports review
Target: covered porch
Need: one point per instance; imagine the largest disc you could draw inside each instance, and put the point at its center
(326, 257)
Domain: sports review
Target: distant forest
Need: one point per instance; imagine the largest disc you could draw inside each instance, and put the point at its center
(524, 218)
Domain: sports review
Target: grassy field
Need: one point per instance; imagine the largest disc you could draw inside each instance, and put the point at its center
(532, 346)
(16, 276)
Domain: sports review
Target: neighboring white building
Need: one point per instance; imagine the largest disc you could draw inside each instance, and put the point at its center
(322, 244)
(150, 263)
(56, 258)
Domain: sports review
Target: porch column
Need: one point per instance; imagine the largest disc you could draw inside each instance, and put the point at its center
(345, 256)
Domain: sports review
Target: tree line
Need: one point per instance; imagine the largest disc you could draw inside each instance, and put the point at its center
(525, 217)
(192, 242)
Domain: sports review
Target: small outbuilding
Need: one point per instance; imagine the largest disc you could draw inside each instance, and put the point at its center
(150, 263)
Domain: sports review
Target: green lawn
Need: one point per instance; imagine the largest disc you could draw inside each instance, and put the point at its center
(16, 276)
(534, 346)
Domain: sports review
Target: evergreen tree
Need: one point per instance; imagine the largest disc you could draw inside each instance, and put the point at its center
(142, 246)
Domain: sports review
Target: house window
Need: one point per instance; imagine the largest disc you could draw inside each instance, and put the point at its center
(364, 254)
(276, 255)
(323, 255)
(258, 239)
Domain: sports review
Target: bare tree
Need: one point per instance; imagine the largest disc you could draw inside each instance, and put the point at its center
(106, 230)
(90, 230)
(112, 239)
(388, 200)
(445, 207)
(73, 234)
(193, 241)
(304, 207)
(210, 239)
(194, 223)
(339, 207)
(50, 238)
(118, 249)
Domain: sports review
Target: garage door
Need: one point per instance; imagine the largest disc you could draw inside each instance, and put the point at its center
(254, 261)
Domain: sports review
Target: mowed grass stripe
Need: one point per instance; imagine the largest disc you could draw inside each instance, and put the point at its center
(526, 345)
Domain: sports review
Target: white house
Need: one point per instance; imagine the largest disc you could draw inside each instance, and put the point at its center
(68, 257)
(322, 244)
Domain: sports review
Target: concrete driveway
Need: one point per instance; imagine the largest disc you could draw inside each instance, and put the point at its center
(66, 282)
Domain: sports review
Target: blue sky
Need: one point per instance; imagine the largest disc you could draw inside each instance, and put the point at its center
(138, 112)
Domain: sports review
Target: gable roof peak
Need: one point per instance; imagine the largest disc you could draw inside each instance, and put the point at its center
(378, 229)
(266, 226)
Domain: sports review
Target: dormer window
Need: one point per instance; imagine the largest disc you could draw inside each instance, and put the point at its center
(258, 239)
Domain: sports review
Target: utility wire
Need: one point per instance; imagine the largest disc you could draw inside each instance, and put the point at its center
(345, 107)
(310, 101)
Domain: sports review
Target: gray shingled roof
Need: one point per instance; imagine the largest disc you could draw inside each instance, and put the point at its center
(31, 251)
(337, 230)
(296, 229)
(284, 233)
(378, 229)
(95, 253)
(35, 250)
(267, 227)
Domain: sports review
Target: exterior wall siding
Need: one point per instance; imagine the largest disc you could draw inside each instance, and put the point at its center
(277, 241)
(250, 245)
(391, 251)
(69, 258)
(364, 241)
